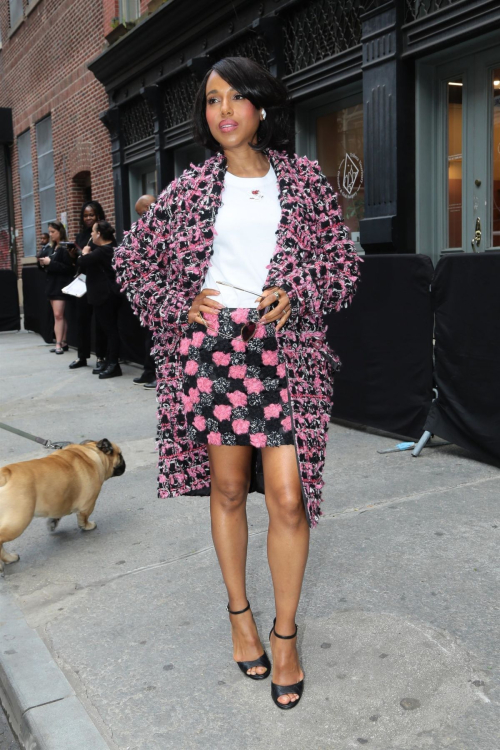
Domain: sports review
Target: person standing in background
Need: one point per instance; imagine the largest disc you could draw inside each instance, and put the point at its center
(148, 377)
(59, 266)
(103, 292)
(44, 241)
(91, 212)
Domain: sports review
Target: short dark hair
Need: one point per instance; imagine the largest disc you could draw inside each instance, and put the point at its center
(59, 227)
(256, 84)
(105, 229)
(96, 207)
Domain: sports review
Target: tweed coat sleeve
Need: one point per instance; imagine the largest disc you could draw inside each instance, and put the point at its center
(326, 278)
(146, 270)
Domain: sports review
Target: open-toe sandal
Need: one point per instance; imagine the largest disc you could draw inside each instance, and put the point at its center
(262, 661)
(278, 690)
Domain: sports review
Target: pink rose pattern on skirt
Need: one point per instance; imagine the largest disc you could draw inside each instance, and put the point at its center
(235, 393)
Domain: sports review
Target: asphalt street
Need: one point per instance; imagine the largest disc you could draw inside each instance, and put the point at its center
(398, 623)
(7, 739)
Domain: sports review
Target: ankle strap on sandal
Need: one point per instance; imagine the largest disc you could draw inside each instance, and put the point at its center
(241, 610)
(284, 637)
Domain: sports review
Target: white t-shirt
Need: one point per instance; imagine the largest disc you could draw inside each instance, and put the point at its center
(245, 238)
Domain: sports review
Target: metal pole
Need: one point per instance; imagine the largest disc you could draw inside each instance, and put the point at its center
(421, 443)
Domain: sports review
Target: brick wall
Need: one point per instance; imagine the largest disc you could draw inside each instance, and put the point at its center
(110, 11)
(43, 71)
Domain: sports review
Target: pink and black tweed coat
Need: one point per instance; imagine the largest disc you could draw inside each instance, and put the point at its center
(161, 266)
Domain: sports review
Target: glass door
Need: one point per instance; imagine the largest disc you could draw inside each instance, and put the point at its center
(484, 229)
(331, 131)
(458, 155)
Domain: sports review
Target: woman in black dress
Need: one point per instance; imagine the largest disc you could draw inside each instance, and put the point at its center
(59, 266)
(102, 290)
(91, 212)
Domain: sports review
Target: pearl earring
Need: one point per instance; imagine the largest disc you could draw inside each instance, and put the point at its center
(263, 113)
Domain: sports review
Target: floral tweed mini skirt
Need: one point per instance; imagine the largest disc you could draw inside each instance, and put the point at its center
(235, 392)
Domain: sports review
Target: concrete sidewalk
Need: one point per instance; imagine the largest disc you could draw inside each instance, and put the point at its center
(398, 623)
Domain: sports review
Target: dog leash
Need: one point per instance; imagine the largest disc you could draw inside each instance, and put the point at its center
(46, 443)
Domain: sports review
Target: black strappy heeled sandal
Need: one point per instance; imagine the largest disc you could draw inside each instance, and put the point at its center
(262, 661)
(278, 690)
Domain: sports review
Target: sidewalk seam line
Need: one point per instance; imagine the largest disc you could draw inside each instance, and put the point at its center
(405, 498)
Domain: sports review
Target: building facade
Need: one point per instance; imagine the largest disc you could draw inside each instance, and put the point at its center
(399, 101)
(54, 150)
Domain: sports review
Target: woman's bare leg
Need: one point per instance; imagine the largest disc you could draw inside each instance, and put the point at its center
(65, 328)
(230, 479)
(287, 550)
(59, 322)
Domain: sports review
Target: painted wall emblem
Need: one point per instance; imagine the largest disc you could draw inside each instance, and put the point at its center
(350, 175)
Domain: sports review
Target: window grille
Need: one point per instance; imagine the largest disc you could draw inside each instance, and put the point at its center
(178, 98)
(46, 176)
(16, 12)
(420, 8)
(316, 29)
(136, 121)
(248, 45)
(27, 198)
(130, 10)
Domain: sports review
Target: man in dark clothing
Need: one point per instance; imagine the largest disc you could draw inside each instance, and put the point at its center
(148, 377)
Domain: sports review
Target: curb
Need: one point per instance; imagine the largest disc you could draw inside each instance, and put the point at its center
(40, 703)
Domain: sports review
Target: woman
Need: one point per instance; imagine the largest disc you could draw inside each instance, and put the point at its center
(102, 291)
(90, 213)
(232, 382)
(56, 261)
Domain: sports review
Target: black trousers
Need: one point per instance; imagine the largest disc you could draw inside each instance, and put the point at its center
(84, 327)
(107, 317)
(149, 363)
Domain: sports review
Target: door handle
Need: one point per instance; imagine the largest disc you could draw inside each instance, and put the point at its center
(476, 240)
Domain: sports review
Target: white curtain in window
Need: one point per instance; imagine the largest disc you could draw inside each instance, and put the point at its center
(16, 11)
(46, 176)
(27, 198)
(130, 10)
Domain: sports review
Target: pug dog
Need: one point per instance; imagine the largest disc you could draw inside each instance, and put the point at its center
(67, 481)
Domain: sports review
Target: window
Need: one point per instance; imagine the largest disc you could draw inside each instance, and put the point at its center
(141, 181)
(27, 200)
(16, 12)
(454, 162)
(329, 128)
(130, 10)
(495, 157)
(339, 137)
(46, 178)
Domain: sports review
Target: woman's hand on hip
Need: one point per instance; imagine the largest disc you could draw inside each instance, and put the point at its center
(44, 261)
(281, 312)
(203, 304)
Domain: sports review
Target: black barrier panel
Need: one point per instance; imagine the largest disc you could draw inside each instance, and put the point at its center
(10, 317)
(38, 315)
(467, 352)
(384, 340)
(132, 336)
